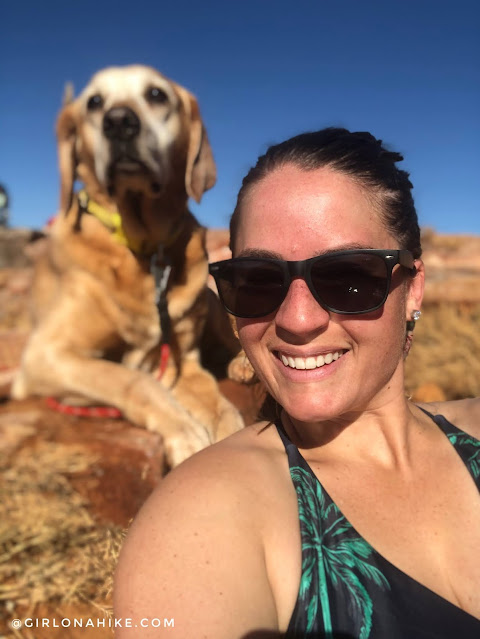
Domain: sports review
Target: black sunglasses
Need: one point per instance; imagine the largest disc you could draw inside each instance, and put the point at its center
(345, 282)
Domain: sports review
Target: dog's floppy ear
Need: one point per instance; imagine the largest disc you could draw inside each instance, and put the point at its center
(66, 137)
(201, 173)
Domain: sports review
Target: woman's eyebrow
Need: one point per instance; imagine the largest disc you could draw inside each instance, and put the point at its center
(262, 253)
(351, 246)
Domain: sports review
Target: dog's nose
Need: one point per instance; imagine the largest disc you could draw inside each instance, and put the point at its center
(121, 123)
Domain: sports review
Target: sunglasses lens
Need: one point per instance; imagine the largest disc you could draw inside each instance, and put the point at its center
(251, 288)
(355, 283)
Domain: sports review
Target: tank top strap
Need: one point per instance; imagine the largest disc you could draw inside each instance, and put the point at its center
(467, 446)
(295, 458)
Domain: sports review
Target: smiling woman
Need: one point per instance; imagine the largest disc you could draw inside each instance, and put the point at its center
(352, 513)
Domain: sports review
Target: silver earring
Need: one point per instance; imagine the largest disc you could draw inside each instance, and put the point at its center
(410, 326)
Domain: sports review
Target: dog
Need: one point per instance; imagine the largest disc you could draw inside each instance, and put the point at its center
(124, 275)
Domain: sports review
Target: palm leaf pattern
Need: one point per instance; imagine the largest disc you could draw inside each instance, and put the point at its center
(340, 579)
(464, 442)
(332, 554)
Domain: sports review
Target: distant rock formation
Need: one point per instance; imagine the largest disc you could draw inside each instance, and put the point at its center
(13, 247)
(452, 264)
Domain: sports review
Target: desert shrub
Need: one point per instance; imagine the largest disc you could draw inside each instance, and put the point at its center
(446, 350)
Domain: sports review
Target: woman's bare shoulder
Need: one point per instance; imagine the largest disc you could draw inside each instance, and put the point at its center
(464, 413)
(200, 528)
(235, 461)
(219, 474)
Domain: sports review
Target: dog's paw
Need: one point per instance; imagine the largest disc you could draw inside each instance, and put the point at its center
(183, 436)
(230, 421)
(182, 445)
(240, 369)
(7, 378)
(18, 386)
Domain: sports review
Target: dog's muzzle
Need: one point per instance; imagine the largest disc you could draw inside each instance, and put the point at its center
(128, 158)
(121, 127)
(121, 124)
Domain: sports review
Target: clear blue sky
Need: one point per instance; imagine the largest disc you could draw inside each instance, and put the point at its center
(408, 71)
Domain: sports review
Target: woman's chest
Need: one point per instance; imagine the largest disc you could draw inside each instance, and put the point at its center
(427, 527)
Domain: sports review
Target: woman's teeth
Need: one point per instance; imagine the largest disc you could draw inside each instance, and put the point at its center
(310, 362)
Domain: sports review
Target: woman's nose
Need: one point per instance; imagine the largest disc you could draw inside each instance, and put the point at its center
(300, 314)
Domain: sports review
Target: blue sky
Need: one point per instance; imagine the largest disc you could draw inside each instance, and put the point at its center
(408, 71)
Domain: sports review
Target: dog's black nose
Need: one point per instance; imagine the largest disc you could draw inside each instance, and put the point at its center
(121, 123)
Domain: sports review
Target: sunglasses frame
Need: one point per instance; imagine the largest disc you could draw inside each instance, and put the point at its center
(303, 268)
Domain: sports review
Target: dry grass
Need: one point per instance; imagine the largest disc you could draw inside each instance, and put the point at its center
(446, 350)
(51, 549)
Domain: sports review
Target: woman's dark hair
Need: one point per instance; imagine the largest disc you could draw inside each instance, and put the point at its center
(358, 155)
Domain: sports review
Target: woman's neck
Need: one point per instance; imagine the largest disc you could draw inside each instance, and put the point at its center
(384, 433)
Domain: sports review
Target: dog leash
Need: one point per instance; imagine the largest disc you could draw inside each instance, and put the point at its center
(160, 267)
(83, 411)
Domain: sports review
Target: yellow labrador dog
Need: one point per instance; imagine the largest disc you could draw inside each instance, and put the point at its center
(125, 270)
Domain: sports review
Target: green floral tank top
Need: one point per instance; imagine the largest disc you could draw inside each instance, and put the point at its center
(347, 589)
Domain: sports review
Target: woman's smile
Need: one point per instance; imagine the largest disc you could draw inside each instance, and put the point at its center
(310, 362)
(311, 368)
(315, 362)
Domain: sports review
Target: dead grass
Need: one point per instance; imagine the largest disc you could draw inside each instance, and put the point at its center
(51, 549)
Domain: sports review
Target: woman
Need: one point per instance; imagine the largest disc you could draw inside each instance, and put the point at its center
(356, 514)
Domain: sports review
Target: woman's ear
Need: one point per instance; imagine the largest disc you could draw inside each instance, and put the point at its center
(416, 288)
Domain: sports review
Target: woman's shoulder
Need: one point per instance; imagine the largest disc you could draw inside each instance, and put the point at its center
(463, 413)
(222, 477)
(238, 459)
(205, 523)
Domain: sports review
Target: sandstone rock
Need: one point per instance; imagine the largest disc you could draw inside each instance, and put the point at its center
(106, 471)
(129, 460)
(452, 265)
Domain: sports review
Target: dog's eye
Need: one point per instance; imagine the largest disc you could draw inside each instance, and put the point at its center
(95, 102)
(154, 95)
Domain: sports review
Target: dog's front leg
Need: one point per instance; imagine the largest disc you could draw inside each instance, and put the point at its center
(198, 390)
(136, 394)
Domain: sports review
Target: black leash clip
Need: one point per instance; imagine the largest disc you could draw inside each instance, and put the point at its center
(161, 269)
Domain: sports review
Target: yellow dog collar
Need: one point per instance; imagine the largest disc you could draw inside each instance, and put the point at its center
(112, 220)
